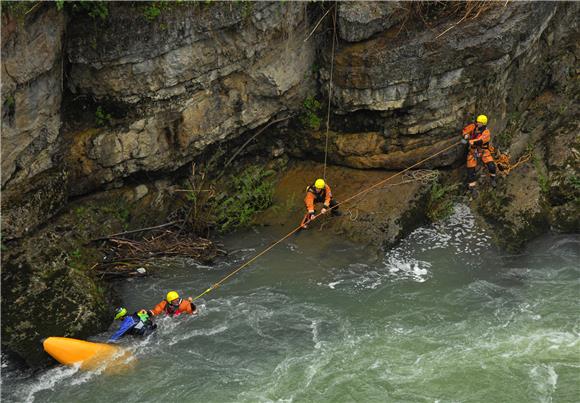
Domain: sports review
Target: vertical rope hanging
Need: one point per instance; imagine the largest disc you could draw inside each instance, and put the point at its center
(329, 93)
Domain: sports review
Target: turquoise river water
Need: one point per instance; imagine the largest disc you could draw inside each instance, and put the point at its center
(443, 317)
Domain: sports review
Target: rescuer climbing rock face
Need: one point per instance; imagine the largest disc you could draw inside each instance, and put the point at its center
(478, 137)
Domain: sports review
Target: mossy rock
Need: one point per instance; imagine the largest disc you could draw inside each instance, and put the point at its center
(516, 209)
(42, 296)
(32, 203)
(48, 286)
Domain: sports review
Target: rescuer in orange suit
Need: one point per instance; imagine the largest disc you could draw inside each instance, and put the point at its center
(172, 305)
(478, 136)
(319, 192)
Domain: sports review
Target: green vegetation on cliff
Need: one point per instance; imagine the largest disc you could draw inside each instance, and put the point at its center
(441, 200)
(239, 198)
(311, 108)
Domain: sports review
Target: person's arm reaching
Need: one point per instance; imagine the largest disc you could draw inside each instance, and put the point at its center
(309, 201)
(327, 197)
(159, 308)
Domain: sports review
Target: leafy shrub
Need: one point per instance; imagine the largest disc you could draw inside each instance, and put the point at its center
(119, 209)
(16, 9)
(572, 181)
(249, 193)
(102, 118)
(440, 204)
(95, 9)
(10, 101)
(152, 11)
(309, 117)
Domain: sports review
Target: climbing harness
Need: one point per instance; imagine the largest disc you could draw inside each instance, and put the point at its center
(298, 228)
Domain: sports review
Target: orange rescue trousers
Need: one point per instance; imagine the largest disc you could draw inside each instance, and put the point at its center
(486, 158)
(482, 153)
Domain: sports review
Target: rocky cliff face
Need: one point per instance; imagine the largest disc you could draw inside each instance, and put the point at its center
(400, 92)
(32, 149)
(194, 77)
(31, 95)
(166, 90)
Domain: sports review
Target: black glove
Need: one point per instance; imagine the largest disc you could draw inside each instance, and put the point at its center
(326, 206)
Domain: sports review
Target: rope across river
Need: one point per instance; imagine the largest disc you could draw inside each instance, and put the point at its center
(366, 190)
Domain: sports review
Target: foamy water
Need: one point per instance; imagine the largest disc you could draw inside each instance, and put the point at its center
(441, 317)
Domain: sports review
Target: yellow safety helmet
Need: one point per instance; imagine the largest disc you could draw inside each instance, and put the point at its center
(171, 296)
(319, 184)
(120, 313)
(481, 119)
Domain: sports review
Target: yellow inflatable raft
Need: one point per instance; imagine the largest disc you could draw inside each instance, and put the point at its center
(89, 355)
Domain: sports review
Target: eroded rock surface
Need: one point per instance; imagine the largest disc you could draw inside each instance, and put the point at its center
(210, 75)
(31, 94)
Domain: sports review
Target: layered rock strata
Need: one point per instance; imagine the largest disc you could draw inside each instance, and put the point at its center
(403, 92)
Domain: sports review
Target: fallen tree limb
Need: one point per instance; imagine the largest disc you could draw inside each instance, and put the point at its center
(105, 238)
(124, 256)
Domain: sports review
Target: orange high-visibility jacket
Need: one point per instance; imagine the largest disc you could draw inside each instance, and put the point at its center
(313, 197)
(475, 136)
(184, 307)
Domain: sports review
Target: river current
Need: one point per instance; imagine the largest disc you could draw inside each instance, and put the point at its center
(442, 317)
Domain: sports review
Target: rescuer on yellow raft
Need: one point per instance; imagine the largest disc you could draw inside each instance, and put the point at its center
(319, 192)
(478, 137)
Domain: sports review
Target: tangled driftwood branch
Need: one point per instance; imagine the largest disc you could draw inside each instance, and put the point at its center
(125, 256)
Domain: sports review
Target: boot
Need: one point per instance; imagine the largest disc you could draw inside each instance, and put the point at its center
(493, 182)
